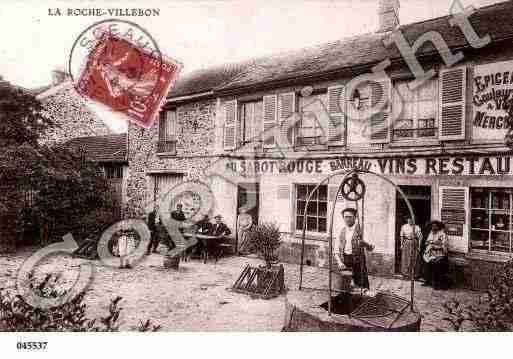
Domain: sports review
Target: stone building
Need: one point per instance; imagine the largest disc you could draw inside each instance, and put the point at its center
(68, 110)
(440, 137)
(110, 153)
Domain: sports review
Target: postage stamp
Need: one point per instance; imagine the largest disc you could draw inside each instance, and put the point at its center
(126, 75)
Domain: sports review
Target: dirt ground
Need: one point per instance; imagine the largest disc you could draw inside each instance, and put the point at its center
(197, 297)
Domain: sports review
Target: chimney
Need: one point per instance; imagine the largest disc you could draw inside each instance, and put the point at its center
(58, 76)
(388, 12)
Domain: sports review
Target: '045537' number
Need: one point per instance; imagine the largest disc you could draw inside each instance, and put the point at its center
(31, 345)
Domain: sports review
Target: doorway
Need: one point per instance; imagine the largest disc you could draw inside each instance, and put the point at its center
(248, 197)
(420, 200)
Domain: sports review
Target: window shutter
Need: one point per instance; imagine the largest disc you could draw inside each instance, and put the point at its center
(282, 207)
(337, 115)
(454, 205)
(286, 108)
(269, 120)
(162, 126)
(230, 125)
(170, 125)
(453, 84)
(379, 122)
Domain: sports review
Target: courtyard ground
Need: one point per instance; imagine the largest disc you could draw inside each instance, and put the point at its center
(197, 296)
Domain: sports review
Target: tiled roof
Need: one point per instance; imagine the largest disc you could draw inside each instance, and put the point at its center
(345, 53)
(369, 48)
(109, 148)
(206, 79)
(39, 90)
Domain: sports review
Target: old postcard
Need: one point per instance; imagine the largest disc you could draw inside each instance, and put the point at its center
(240, 166)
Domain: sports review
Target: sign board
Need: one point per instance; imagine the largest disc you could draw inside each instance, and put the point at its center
(492, 89)
(392, 166)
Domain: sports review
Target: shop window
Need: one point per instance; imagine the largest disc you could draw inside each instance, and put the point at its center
(167, 132)
(418, 119)
(317, 212)
(491, 219)
(250, 121)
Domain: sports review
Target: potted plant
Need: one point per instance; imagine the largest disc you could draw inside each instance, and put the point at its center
(267, 280)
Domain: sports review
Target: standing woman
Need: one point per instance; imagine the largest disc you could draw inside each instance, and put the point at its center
(410, 237)
(244, 224)
(435, 256)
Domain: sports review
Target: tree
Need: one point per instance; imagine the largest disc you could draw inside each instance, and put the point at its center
(54, 188)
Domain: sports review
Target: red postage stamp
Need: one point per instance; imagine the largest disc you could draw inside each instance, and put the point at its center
(127, 79)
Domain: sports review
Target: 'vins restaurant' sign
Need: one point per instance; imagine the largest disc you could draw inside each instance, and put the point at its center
(394, 166)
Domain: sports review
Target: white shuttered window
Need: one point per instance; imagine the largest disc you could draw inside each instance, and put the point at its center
(453, 83)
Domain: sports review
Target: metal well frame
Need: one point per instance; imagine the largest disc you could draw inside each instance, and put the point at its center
(346, 174)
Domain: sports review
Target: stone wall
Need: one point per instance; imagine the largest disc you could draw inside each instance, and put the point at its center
(72, 116)
(195, 144)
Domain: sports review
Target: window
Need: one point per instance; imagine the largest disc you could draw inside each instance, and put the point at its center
(167, 132)
(491, 219)
(113, 172)
(317, 212)
(310, 131)
(419, 111)
(250, 121)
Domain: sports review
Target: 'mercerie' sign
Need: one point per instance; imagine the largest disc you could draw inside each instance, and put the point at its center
(492, 89)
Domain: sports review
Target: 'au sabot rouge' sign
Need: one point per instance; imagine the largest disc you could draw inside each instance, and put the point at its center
(394, 166)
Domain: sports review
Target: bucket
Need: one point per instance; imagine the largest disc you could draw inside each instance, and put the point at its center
(171, 262)
(341, 280)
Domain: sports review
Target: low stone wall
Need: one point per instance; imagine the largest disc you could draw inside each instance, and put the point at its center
(317, 255)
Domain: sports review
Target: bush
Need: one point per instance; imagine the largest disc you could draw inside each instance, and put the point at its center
(17, 315)
(265, 239)
(494, 312)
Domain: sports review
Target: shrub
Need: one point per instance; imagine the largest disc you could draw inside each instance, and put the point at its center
(265, 239)
(494, 312)
(17, 315)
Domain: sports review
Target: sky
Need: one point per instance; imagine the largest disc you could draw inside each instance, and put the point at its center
(199, 33)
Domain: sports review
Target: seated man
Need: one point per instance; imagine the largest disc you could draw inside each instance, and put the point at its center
(219, 228)
(349, 249)
(204, 226)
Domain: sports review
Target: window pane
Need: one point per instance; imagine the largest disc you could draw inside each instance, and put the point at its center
(301, 192)
(301, 207)
(312, 208)
(426, 109)
(500, 241)
(500, 200)
(427, 91)
(479, 218)
(311, 189)
(500, 220)
(479, 198)
(299, 223)
(479, 239)
(322, 225)
(323, 193)
(323, 209)
(311, 224)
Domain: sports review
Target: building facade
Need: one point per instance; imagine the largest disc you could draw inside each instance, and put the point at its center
(264, 136)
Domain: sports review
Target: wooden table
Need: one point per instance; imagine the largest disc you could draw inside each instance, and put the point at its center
(208, 242)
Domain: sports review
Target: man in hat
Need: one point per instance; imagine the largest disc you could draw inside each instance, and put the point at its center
(220, 229)
(152, 226)
(349, 249)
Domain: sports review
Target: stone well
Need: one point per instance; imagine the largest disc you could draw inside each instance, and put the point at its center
(306, 310)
